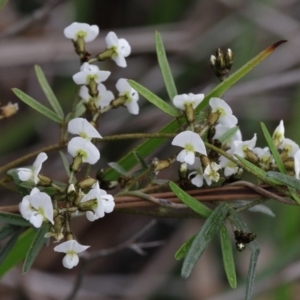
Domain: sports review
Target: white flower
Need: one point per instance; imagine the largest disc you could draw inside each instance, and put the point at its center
(221, 131)
(197, 174)
(105, 203)
(289, 147)
(81, 30)
(240, 148)
(223, 109)
(191, 142)
(278, 134)
(297, 164)
(120, 47)
(264, 156)
(88, 151)
(181, 101)
(104, 96)
(89, 72)
(83, 128)
(37, 208)
(211, 173)
(229, 167)
(71, 248)
(27, 174)
(131, 95)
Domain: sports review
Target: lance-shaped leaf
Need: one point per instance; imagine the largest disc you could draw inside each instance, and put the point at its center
(118, 168)
(4, 251)
(48, 91)
(191, 202)
(13, 219)
(8, 230)
(164, 66)
(285, 179)
(35, 247)
(141, 160)
(128, 161)
(255, 250)
(184, 248)
(155, 100)
(227, 255)
(15, 255)
(209, 229)
(65, 162)
(2, 3)
(37, 106)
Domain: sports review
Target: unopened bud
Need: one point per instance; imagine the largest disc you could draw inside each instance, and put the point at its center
(183, 171)
(107, 54)
(44, 181)
(222, 63)
(75, 166)
(205, 161)
(289, 163)
(189, 112)
(120, 101)
(251, 156)
(86, 183)
(8, 110)
(93, 88)
(159, 165)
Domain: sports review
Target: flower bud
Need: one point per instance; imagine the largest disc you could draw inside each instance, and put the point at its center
(44, 181)
(189, 112)
(120, 101)
(251, 156)
(93, 88)
(159, 165)
(75, 166)
(86, 183)
(183, 171)
(222, 63)
(87, 205)
(8, 110)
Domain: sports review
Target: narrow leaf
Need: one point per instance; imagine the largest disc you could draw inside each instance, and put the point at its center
(118, 168)
(227, 255)
(2, 4)
(209, 229)
(65, 162)
(13, 219)
(48, 91)
(284, 178)
(164, 66)
(228, 134)
(7, 230)
(155, 100)
(184, 248)
(254, 247)
(37, 106)
(262, 209)
(141, 160)
(79, 109)
(4, 251)
(191, 202)
(35, 247)
(15, 255)
(237, 75)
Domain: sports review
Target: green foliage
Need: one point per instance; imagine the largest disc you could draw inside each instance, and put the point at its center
(13, 219)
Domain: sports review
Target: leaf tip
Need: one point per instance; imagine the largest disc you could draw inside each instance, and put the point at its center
(275, 45)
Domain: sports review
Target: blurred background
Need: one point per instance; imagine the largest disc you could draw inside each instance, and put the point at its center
(31, 32)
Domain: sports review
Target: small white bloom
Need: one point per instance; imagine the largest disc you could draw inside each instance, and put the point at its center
(223, 109)
(131, 95)
(289, 147)
(196, 176)
(104, 96)
(87, 150)
(31, 174)
(229, 167)
(71, 248)
(191, 142)
(211, 173)
(81, 30)
(83, 128)
(297, 164)
(37, 208)
(89, 72)
(180, 101)
(240, 148)
(222, 129)
(105, 203)
(120, 47)
(278, 134)
(264, 156)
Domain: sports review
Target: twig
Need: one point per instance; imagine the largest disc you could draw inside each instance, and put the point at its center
(88, 258)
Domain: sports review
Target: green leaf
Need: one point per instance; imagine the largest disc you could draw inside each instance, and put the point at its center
(155, 100)
(35, 247)
(209, 229)
(118, 168)
(48, 91)
(37, 106)
(219, 90)
(284, 178)
(164, 66)
(15, 255)
(7, 230)
(228, 134)
(141, 160)
(79, 109)
(227, 255)
(184, 248)
(13, 219)
(191, 202)
(65, 162)
(254, 247)
(4, 251)
(272, 147)
(128, 161)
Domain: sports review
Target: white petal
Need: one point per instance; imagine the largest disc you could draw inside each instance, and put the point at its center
(123, 86)
(92, 33)
(124, 47)
(81, 77)
(297, 164)
(89, 32)
(120, 60)
(83, 128)
(25, 174)
(42, 201)
(132, 107)
(190, 157)
(37, 165)
(111, 40)
(36, 219)
(197, 180)
(70, 260)
(84, 93)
